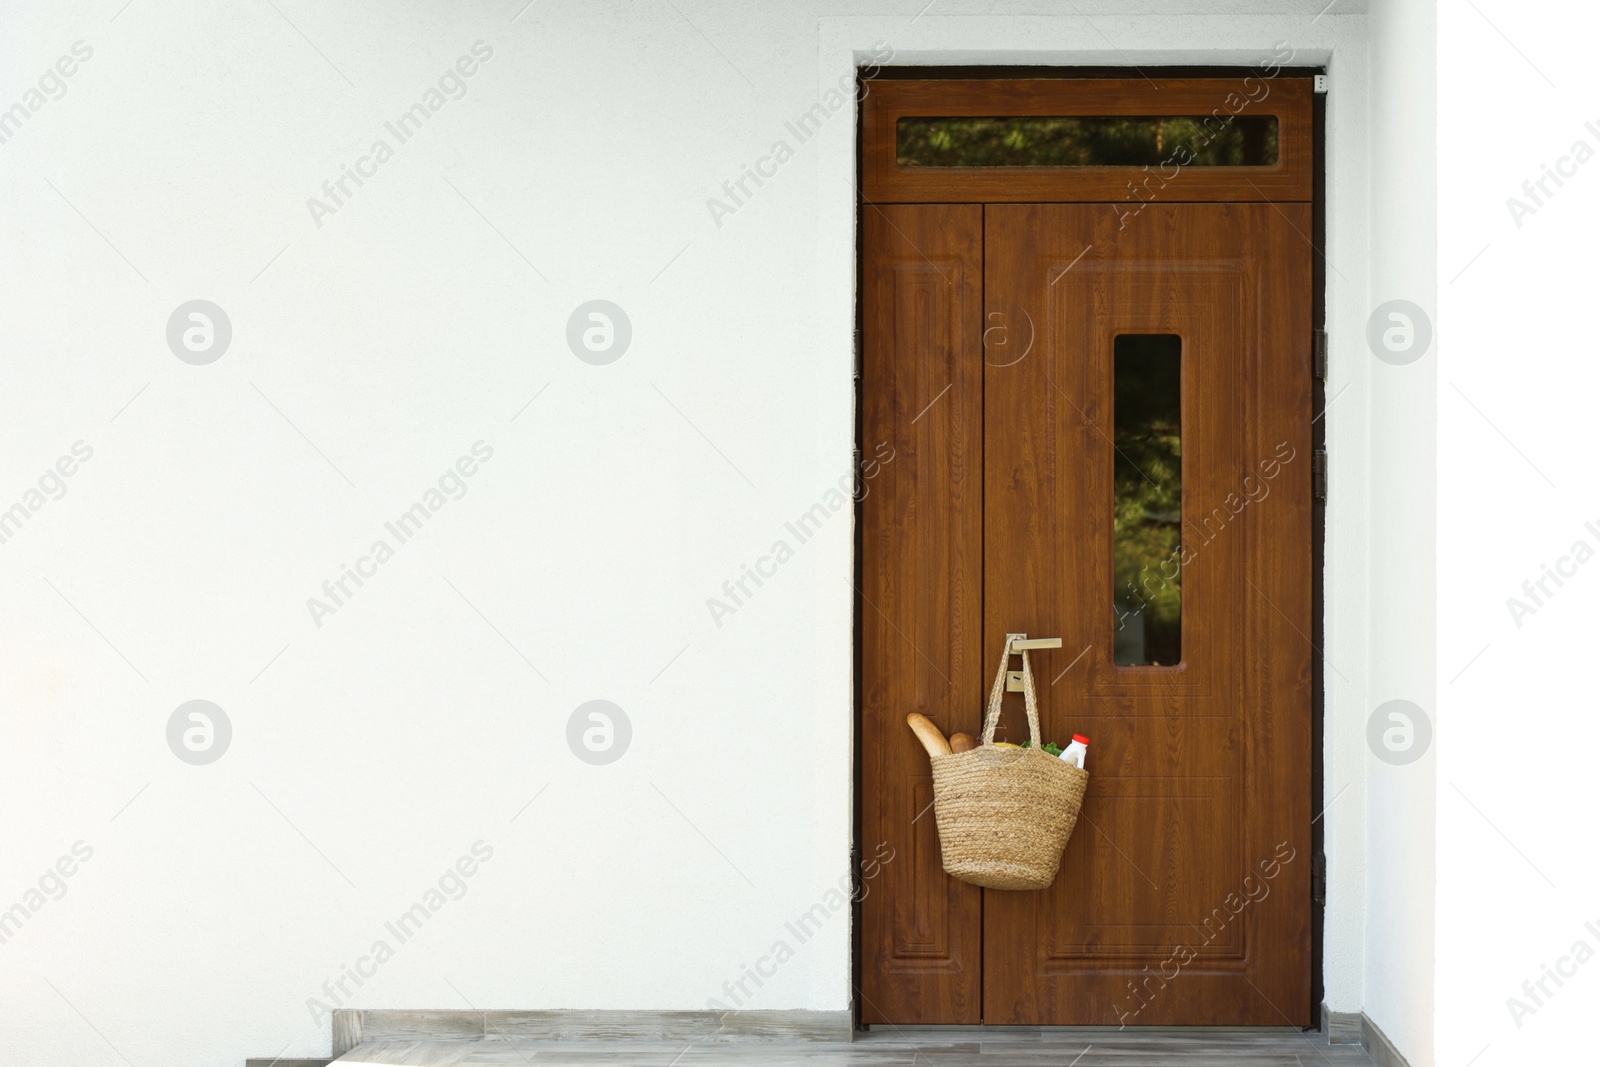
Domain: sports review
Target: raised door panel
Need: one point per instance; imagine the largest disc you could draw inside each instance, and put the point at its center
(920, 598)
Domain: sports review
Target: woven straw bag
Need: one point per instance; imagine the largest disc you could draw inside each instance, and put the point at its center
(1005, 814)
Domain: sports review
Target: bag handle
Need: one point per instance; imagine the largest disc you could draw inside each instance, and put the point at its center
(998, 692)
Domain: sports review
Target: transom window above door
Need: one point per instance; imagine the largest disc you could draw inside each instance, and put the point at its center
(1086, 140)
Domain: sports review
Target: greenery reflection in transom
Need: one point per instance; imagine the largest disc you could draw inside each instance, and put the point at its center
(1087, 141)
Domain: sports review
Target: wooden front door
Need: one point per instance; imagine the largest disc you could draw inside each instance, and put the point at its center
(1101, 418)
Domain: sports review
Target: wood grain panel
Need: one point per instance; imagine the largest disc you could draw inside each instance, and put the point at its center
(921, 591)
(1201, 770)
(1289, 99)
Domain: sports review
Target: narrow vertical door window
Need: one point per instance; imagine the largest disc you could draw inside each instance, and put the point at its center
(1147, 501)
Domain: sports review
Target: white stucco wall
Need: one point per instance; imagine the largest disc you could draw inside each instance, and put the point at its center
(424, 315)
(1398, 988)
(1518, 875)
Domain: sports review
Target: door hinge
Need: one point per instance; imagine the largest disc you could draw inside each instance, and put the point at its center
(855, 354)
(1319, 879)
(1319, 354)
(1319, 83)
(1319, 474)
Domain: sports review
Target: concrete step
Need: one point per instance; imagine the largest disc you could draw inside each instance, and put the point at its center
(887, 1048)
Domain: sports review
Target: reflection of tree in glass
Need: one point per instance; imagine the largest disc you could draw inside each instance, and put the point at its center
(1086, 141)
(1148, 488)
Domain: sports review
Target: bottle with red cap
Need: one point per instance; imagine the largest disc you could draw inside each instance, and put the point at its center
(1077, 751)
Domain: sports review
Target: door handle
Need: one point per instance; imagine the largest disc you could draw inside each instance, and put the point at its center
(1016, 644)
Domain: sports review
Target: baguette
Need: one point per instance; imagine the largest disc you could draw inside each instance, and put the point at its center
(928, 734)
(962, 742)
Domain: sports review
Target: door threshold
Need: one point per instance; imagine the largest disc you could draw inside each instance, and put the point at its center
(1178, 1031)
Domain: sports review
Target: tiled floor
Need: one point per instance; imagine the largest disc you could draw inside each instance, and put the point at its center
(886, 1047)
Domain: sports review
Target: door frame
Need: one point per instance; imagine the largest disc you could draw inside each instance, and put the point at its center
(865, 76)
